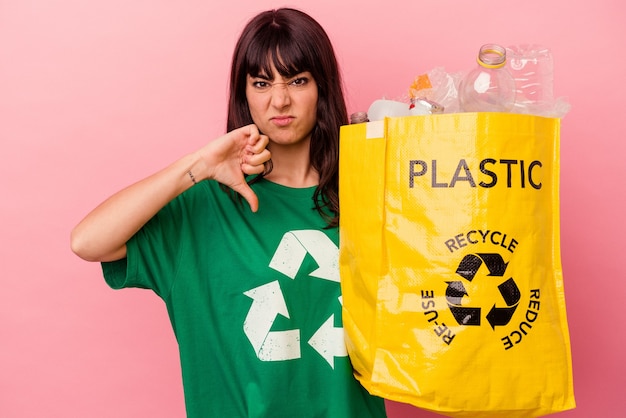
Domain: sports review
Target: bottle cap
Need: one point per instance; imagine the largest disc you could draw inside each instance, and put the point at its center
(358, 117)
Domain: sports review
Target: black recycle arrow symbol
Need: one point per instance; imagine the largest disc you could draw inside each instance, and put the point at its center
(467, 269)
(463, 315)
(511, 294)
(472, 262)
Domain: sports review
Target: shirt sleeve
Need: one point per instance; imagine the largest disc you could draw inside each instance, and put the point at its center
(153, 253)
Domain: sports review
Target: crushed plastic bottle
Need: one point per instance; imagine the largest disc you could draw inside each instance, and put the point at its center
(532, 69)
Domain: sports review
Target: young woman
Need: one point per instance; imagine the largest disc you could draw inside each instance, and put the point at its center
(252, 289)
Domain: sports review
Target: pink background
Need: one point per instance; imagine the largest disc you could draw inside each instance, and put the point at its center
(97, 94)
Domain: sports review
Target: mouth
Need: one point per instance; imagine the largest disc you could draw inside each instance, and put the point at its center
(282, 120)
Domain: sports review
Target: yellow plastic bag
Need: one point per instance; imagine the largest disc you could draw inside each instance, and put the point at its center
(450, 263)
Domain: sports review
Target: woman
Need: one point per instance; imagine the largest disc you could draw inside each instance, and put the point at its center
(253, 293)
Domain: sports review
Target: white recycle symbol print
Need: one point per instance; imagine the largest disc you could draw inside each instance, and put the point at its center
(268, 301)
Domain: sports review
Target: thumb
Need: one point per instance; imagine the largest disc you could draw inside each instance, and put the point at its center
(247, 193)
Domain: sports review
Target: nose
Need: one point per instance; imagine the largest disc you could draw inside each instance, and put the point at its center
(280, 95)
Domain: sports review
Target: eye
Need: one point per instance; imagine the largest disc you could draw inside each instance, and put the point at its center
(299, 82)
(261, 85)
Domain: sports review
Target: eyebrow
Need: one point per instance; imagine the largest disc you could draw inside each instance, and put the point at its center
(262, 76)
(288, 76)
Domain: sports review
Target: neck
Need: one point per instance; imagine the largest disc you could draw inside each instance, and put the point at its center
(292, 166)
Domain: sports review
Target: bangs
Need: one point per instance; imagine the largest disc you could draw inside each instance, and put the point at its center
(280, 49)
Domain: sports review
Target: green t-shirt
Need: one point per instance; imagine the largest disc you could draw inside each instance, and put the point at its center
(254, 300)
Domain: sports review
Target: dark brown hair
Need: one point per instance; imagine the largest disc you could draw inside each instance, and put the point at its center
(294, 42)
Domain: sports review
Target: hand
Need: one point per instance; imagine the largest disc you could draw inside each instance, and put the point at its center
(229, 157)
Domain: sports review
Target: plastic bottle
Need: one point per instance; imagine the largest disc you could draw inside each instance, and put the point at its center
(532, 69)
(489, 87)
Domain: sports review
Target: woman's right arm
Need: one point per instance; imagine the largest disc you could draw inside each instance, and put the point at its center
(103, 233)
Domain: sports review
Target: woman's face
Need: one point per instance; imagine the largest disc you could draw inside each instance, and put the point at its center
(284, 109)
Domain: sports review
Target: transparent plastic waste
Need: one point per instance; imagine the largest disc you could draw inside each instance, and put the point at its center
(381, 108)
(532, 68)
(489, 87)
(437, 86)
